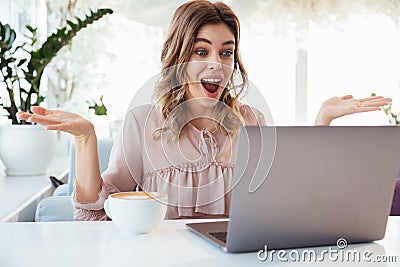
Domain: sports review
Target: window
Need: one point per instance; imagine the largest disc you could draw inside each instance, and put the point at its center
(361, 59)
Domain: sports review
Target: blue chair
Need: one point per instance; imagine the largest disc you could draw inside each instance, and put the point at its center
(58, 207)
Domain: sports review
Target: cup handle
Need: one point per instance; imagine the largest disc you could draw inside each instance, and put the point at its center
(107, 208)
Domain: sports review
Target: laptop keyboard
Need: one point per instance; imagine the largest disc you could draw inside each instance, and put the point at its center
(220, 235)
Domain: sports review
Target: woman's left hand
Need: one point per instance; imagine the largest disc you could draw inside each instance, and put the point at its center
(336, 107)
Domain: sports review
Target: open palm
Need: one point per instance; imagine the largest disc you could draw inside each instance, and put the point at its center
(336, 107)
(58, 120)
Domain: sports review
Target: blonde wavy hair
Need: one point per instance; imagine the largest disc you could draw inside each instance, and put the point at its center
(171, 89)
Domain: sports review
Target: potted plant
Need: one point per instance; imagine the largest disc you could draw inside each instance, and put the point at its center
(21, 70)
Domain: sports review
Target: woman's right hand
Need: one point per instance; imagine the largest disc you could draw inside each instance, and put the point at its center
(59, 120)
(336, 107)
(88, 179)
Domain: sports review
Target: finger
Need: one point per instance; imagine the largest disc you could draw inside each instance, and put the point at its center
(21, 115)
(41, 111)
(375, 103)
(346, 97)
(45, 120)
(38, 110)
(373, 98)
(366, 109)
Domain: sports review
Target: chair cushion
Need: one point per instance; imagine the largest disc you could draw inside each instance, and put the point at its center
(54, 208)
(62, 190)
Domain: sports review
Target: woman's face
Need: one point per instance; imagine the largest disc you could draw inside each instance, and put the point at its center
(211, 63)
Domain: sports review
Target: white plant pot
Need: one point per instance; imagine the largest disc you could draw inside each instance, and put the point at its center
(26, 149)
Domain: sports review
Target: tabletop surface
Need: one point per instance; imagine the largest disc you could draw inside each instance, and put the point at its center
(171, 244)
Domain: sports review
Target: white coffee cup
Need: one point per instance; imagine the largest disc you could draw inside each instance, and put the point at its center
(136, 212)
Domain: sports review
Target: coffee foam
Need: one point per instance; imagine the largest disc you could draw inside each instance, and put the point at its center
(137, 195)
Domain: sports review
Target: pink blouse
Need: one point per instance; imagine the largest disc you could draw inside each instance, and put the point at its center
(195, 172)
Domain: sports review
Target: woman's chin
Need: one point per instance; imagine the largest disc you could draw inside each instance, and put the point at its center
(207, 102)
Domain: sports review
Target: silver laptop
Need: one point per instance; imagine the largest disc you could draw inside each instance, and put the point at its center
(308, 186)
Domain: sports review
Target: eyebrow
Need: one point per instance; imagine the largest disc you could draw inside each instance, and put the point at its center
(209, 42)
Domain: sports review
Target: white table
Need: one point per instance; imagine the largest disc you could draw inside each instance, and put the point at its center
(75, 244)
(19, 195)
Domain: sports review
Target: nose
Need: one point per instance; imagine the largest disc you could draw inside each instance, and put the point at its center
(214, 65)
(214, 62)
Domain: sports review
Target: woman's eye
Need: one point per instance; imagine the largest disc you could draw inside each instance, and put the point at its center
(227, 53)
(201, 52)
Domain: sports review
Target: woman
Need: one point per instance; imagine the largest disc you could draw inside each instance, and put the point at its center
(183, 145)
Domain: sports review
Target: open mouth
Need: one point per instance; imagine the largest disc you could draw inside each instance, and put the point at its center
(211, 85)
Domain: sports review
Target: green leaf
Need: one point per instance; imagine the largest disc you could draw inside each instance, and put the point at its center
(7, 37)
(31, 29)
(99, 110)
(12, 37)
(47, 51)
(80, 22)
(21, 62)
(39, 100)
(73, 26)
